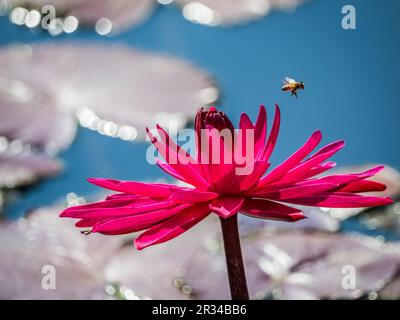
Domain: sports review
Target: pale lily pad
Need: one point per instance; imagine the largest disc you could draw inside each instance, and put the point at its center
(386, 219)
(30, 115)
(283, 265)
(86, 267)
(30, 248)
(231, 12)
(298, 266)
(20, 169)
(391, 290)
(156, 272)
(322, 266)
(112, 89)
(114, 15)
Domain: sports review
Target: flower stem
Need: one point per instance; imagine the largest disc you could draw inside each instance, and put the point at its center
(234, 260)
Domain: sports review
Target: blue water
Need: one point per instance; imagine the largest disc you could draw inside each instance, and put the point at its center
(353, 79)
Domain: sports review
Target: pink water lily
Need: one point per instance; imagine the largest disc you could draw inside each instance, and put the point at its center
(165, 211)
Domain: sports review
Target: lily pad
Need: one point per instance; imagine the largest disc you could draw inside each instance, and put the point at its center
(20, 169)
(298, 266)
(87, 267)
(111, 88)
(31, 247)
(285, 265)
(157, 271)
(116, 16)
(30, 115)
(386, 220)
(391, 290)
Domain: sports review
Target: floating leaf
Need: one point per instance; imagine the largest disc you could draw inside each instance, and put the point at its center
(43, 239)
(297, 266)
(386, 219)
(87, 267)
(30, 115)
(285, 265)
(392, 289)
(106, 15)
(157, 271)
(321, 266)
(19, 169)
(112, 88)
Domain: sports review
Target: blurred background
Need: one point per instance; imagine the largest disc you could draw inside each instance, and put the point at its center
(76, 94)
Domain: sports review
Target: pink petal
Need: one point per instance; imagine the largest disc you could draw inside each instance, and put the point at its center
(247, 181)
(328, 148)
(296, 173)
(363, 186)
(273, 136)
(172, 145)
(260, 131)
(170, 170)
(133, 187)
(341, 200)
(192, 196)
(101, 204)
(118, 199)
(245, 122)
(85, 223)
(107, 213)
(227, 181)
(305, 174)
(178, 162)
(344, 179)
(218, 169)
(339, 181)
(317, 170)
(225, 147)
(125, 196)
(226, 207)
(293, 160)
(296, 192)
(172, 227)
(137, 222)
(265, 209)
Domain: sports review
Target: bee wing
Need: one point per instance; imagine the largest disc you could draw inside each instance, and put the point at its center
(289, 80)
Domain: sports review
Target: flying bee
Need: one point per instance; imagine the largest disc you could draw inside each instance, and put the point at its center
(292, 85)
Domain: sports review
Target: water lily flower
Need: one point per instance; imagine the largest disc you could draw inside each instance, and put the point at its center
(228, 175)
(165, 211)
